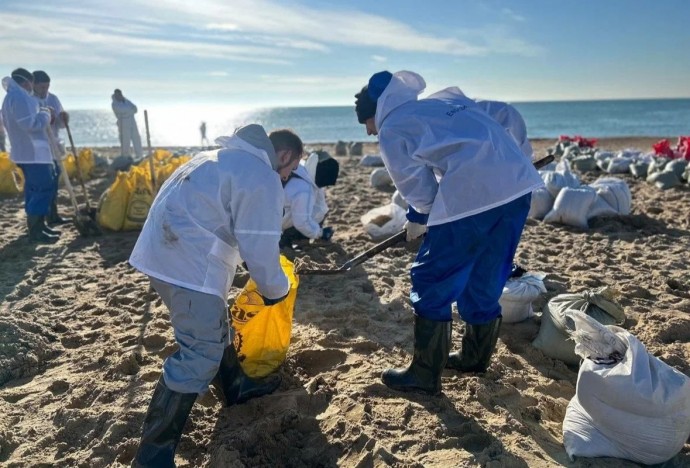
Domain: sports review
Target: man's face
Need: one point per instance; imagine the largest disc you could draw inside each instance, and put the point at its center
(371, 126)
(287, 162)
(41, 89)
(28, 86)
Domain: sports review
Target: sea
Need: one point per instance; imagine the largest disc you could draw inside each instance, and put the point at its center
(180, 125)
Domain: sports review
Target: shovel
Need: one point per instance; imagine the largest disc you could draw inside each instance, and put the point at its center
(84, 218)
(378, 248)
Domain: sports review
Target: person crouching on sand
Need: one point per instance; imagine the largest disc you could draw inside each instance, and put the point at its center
(468, 187)
(220, 206)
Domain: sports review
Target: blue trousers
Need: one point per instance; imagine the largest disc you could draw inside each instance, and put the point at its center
(40, 188)
(468, 262)
(200, 323)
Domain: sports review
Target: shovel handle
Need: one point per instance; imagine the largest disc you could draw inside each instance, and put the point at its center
(378, 248)
(76, 161)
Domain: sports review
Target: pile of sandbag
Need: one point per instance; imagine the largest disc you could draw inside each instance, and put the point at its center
(564, 200)
(553, 338)
(126, 203)
(11, 176)
(85, 162)
(663, 172)
(628, 404)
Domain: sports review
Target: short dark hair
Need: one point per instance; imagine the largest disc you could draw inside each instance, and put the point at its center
(41, 77)
(286, 139)
(21, 75)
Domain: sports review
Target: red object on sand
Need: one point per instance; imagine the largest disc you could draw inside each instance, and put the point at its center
(683, 147)
(581, 141)
(663, 148)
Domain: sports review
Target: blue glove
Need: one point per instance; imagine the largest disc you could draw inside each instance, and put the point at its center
(327, 233)
(270, 302)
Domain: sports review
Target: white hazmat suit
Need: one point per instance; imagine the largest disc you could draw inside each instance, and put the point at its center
(127, 126)
(305, 204)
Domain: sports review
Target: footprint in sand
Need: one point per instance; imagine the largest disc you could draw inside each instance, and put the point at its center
(58, 387)
(315, 361)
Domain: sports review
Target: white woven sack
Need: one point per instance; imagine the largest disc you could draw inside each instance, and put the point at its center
(518, 295)
(636, 409)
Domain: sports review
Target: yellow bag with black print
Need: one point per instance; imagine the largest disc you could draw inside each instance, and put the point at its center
(11, 177)
(112, 206)
(262, 333)
(140, 199)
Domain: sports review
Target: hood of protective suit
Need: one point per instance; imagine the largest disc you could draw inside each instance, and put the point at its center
(9, 84)
(255, 135)
(405, 86)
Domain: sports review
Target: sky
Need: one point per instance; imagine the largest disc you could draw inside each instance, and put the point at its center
(258, 53)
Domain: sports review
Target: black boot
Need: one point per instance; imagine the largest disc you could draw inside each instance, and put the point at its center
(431, 346)
(36, 233)
(47, 230)
(237, 387)
(163, 425)
(54, 218)
(478, 344)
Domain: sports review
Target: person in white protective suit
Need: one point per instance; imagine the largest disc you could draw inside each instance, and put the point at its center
(468, 187)
(221, 206)
(48, 99)
(127, 128)
(305, 205)
(26, 124)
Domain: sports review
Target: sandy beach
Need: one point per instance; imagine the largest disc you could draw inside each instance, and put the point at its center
(83, 339)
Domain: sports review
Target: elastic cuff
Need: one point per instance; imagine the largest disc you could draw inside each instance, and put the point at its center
(414, 216)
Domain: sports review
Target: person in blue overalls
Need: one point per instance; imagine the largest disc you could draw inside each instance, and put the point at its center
(468, 187)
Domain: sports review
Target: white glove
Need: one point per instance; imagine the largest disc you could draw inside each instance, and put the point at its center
(414, 230)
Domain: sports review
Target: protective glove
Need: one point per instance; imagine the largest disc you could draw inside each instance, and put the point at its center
(414, 230)
(327, 233)
(270, 302)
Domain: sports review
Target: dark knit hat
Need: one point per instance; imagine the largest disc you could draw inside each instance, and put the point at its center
(21, 75)
(365, 105)
(41, 77)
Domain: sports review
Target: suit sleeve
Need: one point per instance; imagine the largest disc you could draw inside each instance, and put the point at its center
(27, 118)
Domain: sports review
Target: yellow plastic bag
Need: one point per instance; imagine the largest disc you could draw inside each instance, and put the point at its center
(166, 170)
(11, 177)
(262, 333)
(112, 207)
(140, 199)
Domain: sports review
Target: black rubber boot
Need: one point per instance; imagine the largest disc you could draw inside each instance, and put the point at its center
(431, 347)
(165, 418)
(47, 230)
(36, 233)
(54, 218)
(237, 387)
(478, 345)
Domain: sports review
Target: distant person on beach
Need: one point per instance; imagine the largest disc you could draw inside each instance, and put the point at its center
(26, 124)
(48, 99)
(126, 125)
(305, 205)
(221, 206)
(468, 187)
(204, 139)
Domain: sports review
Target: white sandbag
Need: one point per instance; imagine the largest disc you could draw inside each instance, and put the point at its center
(584, 163)
(380, 179)
(572, 207)
(398, 199)
(639, 169)
(629, 404)
(613, 198)
(541, 204)
(664, 180)
(571, 152)
(619, 165)
(371, 160)
(677, 166)
(601, 155)
(384, 221)
(569, 176)
(553, 338)
(518, 295)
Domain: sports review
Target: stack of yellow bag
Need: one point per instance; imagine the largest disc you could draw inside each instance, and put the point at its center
(86, 163)
(125, 205)
(11, 177)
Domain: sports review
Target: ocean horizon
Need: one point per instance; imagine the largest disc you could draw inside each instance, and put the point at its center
(179, 125)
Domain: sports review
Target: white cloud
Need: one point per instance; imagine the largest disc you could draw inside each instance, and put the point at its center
(378, 58)
(512, 15)
(218, 73)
